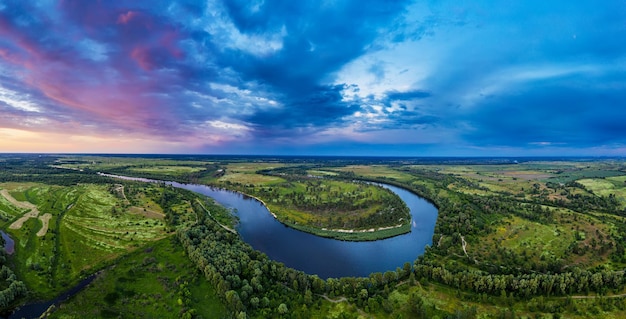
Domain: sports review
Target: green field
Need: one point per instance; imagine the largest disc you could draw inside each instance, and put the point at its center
(609, 186)
(90, 225)
(156, 281)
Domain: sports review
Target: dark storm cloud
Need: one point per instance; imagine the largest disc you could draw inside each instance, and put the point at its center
(552, 114)
(321, 108)
(408, 95)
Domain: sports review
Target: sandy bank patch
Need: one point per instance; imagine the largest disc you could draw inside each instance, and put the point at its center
(33, 213)
(45, 220)
(20, 222)
(371, 230)
(25, 205)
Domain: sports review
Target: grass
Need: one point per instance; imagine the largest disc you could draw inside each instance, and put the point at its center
(156, 281)
(90, 226)
(8, 212)
(376, 171)
(249, 178)
(538, 242)
(608, 186)
(245, 173)
(160, 169)
(326, 206)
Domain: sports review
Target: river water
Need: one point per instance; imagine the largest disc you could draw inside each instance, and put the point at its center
(9, 244)
(324, 257)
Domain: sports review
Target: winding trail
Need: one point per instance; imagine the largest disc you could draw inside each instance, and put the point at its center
(223, 226)
(464, 244)
(340, 299)
(120, 188)
(596, 297)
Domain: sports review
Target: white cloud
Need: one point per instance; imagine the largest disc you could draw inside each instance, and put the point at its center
(225, 34)
(18, 101)
(231, 127)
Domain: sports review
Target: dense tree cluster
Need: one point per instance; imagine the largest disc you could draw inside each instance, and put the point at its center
(40, 170)
(252, 283)
(208, 171)
(574, 281)
(334, 205)
(11, 289)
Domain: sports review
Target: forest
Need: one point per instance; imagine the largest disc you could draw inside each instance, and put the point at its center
(536, 238)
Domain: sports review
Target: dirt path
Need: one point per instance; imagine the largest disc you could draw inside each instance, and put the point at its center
(223, 226)
(25, 205)
(594, 297)
(20, 222)
(33, 213)
(464, 245)
(45, 220)
(341, 299)
(120, 188)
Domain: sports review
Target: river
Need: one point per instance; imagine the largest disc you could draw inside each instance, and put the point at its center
(9, 243)
(324, 257)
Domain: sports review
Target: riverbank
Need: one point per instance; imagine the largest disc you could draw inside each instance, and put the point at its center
(370, 234)
(355, 234)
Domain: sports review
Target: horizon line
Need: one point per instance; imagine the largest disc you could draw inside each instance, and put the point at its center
(317, 156)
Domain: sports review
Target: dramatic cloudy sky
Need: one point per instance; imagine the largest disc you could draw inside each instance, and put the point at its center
(323, 77)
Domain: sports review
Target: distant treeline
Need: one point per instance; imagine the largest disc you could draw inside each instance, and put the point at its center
(41, 170)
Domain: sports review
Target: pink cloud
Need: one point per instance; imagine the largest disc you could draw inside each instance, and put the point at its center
(112, 95)
(124, 18)
(142, 56)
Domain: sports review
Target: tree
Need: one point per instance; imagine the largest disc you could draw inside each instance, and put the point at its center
(282, 309)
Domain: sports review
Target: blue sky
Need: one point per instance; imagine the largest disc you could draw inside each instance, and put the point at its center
(414, 78)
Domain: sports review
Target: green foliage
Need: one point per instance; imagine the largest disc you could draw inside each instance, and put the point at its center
(333, 207)
(11, 289)
(156, 281)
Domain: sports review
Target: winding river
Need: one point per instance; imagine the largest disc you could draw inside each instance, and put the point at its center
(324, 257)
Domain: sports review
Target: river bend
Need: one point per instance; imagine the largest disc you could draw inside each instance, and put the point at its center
(324, 257)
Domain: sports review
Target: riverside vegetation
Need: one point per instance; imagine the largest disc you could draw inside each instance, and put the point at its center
(531, 239)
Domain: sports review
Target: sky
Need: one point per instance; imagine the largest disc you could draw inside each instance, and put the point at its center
(319, 77)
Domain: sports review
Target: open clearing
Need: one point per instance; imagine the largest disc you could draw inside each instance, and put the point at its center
(249, 178)
(376, 171)
(167, 169)
(608, 186)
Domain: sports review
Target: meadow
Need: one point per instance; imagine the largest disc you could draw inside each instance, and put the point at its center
(89, 225)
(156, 281)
